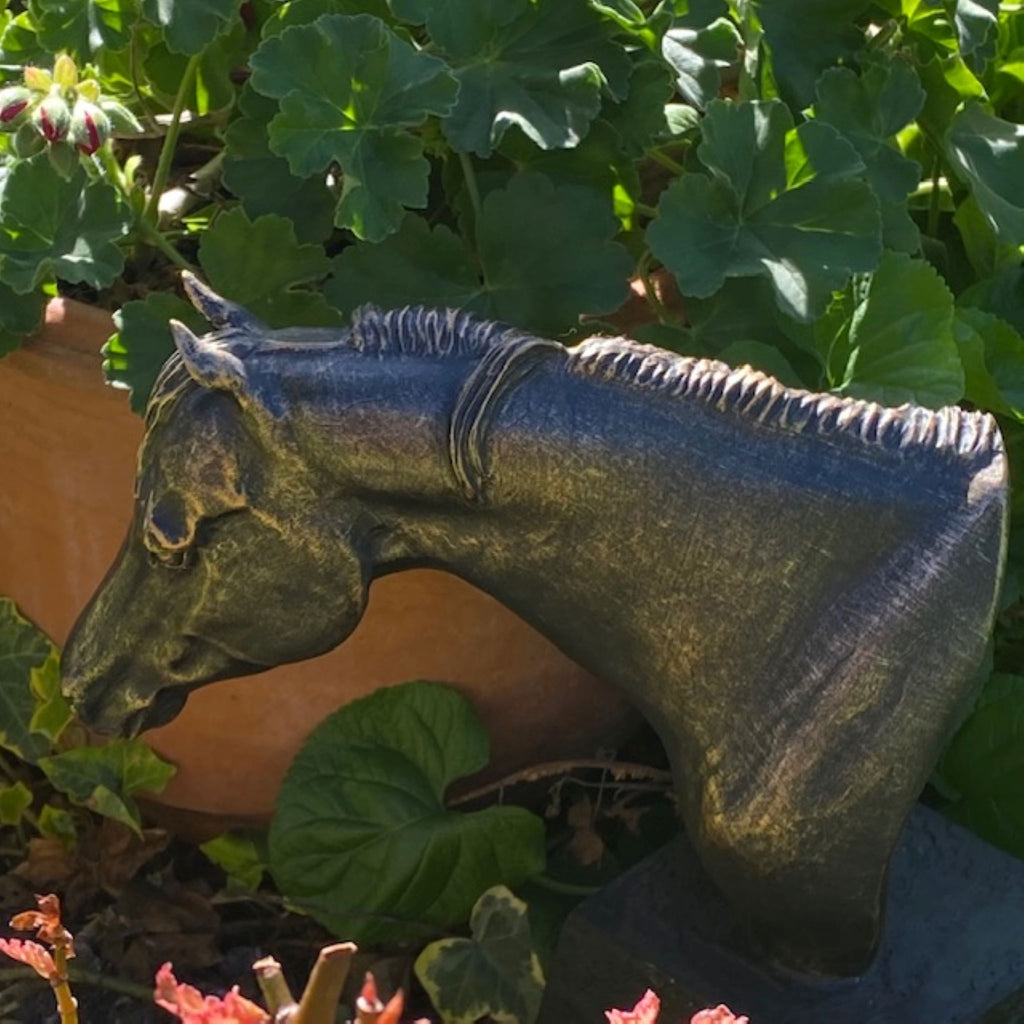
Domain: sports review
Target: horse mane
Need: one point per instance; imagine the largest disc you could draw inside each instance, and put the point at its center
(506, 353)
(749, 393)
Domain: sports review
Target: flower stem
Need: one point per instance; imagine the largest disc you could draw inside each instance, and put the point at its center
(156, 238)
(67, 1005)
(163, 167)
(666, 161)
(471, 186)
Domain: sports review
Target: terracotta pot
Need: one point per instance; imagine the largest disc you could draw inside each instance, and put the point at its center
(67, 461)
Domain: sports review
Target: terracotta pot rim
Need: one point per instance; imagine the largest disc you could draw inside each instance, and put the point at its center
(64, 348)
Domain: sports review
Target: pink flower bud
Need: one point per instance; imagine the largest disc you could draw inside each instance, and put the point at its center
(52, 118)
(90, 127)
(14, 102)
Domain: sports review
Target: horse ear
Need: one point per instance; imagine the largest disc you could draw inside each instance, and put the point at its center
(217, 309)
(211, 364)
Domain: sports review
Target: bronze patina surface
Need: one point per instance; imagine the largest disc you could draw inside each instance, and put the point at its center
(794, 588)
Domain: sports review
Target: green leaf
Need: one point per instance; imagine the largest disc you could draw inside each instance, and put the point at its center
(19, 315)
(495, 974)
(104, 779)
(418, 265)
(539, 67)
(530, 274)
(743, 221)
(132, 358)
(56, 823)
(698, 57)
(807, 38)
(992, 354)
(263, 181)
(1001, 294)
(348, 89)
(302, 12)
(641, 118)
(988, 154)
(976, 24)
(261, 265)
(549, 254)
(361, 837)
(868, 110)
(238, 857)
(50, 225)
(83, 27)
(190, 25)
(760, 356)
(901, 343)
(212, 86)
(15, 800)
(52, 713)
(23, 649)
(985, 763)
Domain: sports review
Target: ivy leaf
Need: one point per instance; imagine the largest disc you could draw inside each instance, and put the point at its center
(238, 858)
(992, 354)
(19, 315)
(901, 343)
(348, 88)
(985, 762)
(868, 110)
(23, 649)
(57, 823)
(105, 778)
(698, 56)
(52, 713)
(190, 25)
(132, 358)
(538, 67)
(262, 180)
(66, 227)
(495, 974)
(15, 800)
(83, 27)
(260, 264)
(361, 837)
(988, 153)
(807, 38)
(742, 220)
(976, 23)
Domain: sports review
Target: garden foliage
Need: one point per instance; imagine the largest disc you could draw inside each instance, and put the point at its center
(835, 188)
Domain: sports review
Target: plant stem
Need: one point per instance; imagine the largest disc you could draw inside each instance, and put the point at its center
(319, 1004)
(644, 273)
(276, 993)
(934, 199)
(666, 161)
(565, 888)
(647, 211)
(156, 238)
(471, 186)
(67, 1006)
(80, 976)
(163, 167)
(618, 770)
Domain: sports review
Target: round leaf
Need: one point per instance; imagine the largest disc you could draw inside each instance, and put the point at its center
(361, 837)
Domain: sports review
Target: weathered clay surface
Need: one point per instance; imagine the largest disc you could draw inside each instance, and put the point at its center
(794, 588)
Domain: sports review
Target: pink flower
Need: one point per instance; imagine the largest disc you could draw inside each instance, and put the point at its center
(31, 953)
(718, 1015)
(192, 1007)
(645, 1012)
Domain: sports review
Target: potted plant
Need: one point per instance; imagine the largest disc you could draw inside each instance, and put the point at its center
(833, 191)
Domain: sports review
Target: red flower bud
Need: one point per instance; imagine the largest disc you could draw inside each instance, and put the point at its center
(14, 102)
(53, 119)
(90, 127)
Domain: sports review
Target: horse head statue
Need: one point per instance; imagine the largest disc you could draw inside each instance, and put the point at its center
(795, 589)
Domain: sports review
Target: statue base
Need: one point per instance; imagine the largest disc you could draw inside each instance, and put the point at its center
(953, 950)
